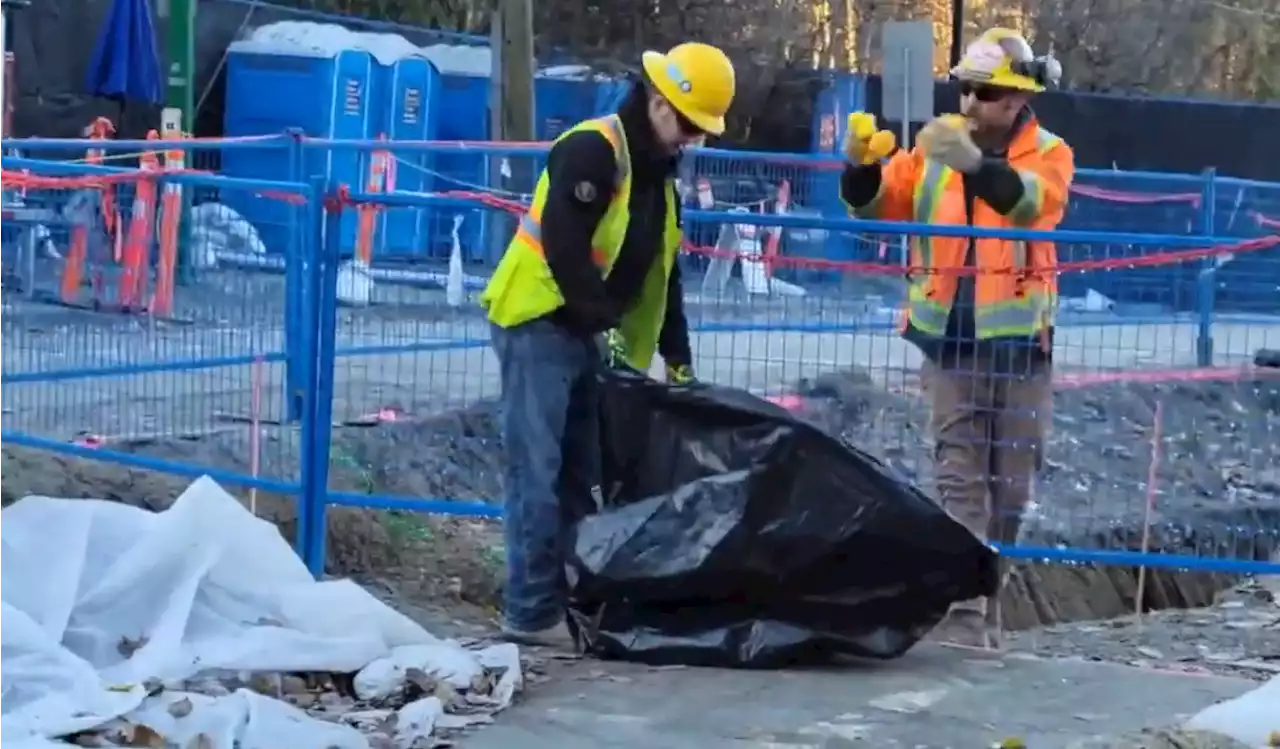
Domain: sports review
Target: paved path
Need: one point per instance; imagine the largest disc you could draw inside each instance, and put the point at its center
(933, 697)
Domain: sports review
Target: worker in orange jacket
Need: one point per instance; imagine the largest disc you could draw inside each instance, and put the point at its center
(986, 334)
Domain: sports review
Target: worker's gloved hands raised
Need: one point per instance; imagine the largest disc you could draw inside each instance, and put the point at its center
(864, 142)
(948, 141)
(680, 374)
(613, 349)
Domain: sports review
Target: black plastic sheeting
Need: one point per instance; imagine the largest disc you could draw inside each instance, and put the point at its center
(733, 533)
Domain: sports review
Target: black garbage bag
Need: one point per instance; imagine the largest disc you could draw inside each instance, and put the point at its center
(730, 532)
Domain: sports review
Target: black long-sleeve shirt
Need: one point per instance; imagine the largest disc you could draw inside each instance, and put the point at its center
(581, 174)
(995, 182)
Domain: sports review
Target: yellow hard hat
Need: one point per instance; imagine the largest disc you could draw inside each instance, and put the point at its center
(1002, 58)
(697, 79)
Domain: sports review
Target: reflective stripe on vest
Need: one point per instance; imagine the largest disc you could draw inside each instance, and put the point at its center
(1012, 317)
(1032, 201)
(1020, 316)
(530, 229)
(925, 204)
(926, 314)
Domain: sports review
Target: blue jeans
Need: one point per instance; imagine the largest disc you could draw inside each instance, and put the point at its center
(551, 432)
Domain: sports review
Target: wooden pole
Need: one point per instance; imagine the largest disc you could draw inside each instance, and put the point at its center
(517, 69)
(957, 31)
(511, 109)
(1157, 438)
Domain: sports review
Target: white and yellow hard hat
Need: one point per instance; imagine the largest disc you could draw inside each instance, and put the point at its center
(1002, 58)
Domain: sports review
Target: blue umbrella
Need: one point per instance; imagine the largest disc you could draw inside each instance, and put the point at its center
(125, 64)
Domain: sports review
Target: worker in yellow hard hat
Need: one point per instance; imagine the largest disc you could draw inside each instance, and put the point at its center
(591, 273)
(986, 336)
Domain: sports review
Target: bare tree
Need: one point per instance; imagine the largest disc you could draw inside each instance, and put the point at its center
(1223, 48)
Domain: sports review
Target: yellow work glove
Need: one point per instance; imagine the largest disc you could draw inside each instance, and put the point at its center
(864, 142)
(679, 374)
(613, 349)
(948, 141)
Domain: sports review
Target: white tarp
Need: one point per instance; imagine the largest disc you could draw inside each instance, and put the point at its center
(102, 602)
(1253, 718)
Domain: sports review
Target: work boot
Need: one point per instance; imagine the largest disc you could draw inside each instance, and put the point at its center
(964, 627)
(556, 637)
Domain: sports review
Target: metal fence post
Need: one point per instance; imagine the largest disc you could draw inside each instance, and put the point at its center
(1206, 283)
(294, 286)
(322, 329)
(310, 431)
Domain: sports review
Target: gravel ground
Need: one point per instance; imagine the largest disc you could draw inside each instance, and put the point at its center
(1239, 635)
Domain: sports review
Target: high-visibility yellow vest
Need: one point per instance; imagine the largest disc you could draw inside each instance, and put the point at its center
(522, 288)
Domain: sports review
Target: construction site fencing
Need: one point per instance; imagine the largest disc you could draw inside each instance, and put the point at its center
(1108, 203)
(368, 370)
(779, 343)
(106, 357)
(797, 184)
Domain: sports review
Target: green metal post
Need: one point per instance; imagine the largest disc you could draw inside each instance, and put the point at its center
(181, 56)
(180, 109)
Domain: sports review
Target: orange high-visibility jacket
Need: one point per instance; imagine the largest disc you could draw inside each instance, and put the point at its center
(1019, 295)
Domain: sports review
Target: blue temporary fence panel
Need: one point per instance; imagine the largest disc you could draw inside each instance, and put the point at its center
(409, 112)
(321, 96)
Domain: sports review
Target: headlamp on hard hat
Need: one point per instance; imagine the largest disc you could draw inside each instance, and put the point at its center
(1044, 70)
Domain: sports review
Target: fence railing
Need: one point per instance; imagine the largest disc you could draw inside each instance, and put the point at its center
(773, 347)
(318, 349)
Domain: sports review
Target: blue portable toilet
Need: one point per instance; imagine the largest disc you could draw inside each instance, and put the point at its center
(463, 116)
(409, 110)
(324, 96)
(561, 103)
(609, 94)
(843, 94)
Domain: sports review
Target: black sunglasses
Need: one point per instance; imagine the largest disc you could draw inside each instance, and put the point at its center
(983, 93)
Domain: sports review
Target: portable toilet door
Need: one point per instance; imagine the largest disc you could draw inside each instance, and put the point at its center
(463, 116)
(352, 119)
(557, 104)
(270, 93)
(413, 89)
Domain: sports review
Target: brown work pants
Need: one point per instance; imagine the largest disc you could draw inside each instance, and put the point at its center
(989, 431)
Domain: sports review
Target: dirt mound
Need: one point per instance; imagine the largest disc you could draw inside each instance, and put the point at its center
(357, 541)
(454, 456)
(1217, 481)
